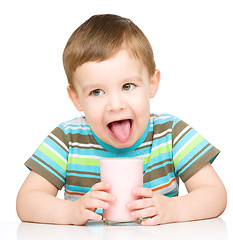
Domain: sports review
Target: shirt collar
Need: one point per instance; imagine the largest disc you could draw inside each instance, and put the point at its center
(112, 149)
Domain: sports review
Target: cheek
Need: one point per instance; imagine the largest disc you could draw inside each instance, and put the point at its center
(91, 107)
(141, 103)
(93, 114)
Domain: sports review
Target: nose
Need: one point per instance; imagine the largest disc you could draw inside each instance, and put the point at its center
(116, 103)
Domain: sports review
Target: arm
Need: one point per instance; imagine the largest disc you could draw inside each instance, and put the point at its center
(37, 202)
(206, 198)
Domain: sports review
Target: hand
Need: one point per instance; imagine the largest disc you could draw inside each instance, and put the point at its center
(160, 209)
(97, 197)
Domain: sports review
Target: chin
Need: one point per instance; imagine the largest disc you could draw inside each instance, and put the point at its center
(120, 145)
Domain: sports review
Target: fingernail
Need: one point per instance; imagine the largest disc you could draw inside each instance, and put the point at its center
(113, 198)
(106, 205)
(134, 191)
(129, 205)
(133, 214)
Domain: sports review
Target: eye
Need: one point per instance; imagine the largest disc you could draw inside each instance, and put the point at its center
(97, 92)
(128, 86)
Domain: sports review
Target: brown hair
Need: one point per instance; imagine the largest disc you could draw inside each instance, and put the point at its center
(102, 36)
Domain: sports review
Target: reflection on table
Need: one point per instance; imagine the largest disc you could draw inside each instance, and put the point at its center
(207, 229)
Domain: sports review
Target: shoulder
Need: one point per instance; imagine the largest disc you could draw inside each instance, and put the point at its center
(167, 123)
(163, 119)
(167, 119)
(76, 125)
(72, 130)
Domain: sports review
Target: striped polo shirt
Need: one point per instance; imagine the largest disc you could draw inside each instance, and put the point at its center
(171, 149)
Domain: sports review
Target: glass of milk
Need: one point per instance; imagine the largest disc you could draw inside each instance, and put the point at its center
(124, 175)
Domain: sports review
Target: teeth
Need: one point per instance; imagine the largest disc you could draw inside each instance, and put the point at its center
(110, 124)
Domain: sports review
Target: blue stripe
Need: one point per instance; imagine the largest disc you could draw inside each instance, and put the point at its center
(183, 141)
(191, 154)
(160, 165)
(160, 158)
(175, 121)
(162, 140)
(159, 181)
(73, 188)
(78, 131)
(99, 211)
(101, 153)
(56, 147)
(50, 162)
(194, 160)
(83, 175)
(172, 193)
(83, 168)
(158, 122)
(47, 168)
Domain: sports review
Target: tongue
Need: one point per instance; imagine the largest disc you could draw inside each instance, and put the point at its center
(121, 130)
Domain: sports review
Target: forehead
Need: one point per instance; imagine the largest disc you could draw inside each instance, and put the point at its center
(121, 65)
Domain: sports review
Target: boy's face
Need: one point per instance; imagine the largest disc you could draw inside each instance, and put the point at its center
(114, 95)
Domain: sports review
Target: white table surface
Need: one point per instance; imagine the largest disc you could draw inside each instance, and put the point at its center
(207, 229)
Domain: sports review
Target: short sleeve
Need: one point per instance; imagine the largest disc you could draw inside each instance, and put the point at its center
(190, 150)
(50, 158)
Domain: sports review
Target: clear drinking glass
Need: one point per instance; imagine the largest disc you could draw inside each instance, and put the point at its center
(124, 175)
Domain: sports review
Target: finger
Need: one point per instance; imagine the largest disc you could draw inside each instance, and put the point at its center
(143, 192)
(92, 215)
(147, 212)
(152, 221)
(100, 186)
(92, 203)
(140, 204)
(104, 196)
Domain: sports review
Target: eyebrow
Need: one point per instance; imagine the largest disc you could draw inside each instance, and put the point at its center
(132, 79)
(137, 78)
(93, 86)
(90, 87)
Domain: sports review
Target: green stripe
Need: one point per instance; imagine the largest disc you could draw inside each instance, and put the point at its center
(164, 149)
(84, 161)
(52, 155)
(188, 149)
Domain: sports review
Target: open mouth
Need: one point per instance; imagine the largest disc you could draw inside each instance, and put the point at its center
(121, 130)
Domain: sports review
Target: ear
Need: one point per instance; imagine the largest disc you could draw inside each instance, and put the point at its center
(154, 83)
(74, 98)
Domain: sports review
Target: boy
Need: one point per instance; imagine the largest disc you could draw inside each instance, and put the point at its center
(112, 76)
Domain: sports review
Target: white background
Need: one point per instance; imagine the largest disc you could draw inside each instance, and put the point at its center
(192, 42)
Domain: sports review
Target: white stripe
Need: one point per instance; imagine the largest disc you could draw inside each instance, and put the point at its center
(162, 133)
(76, 121)
(144, 155)
(167, 189)
(85, 156)
(84, 145)
(185, 145)
(161, 145)
(181, 133)
(157, 118)
(59, 141)
(145, 144)
(162, 117)
(47, 146)
(72, 197)
(79, 127)
(98, 157)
